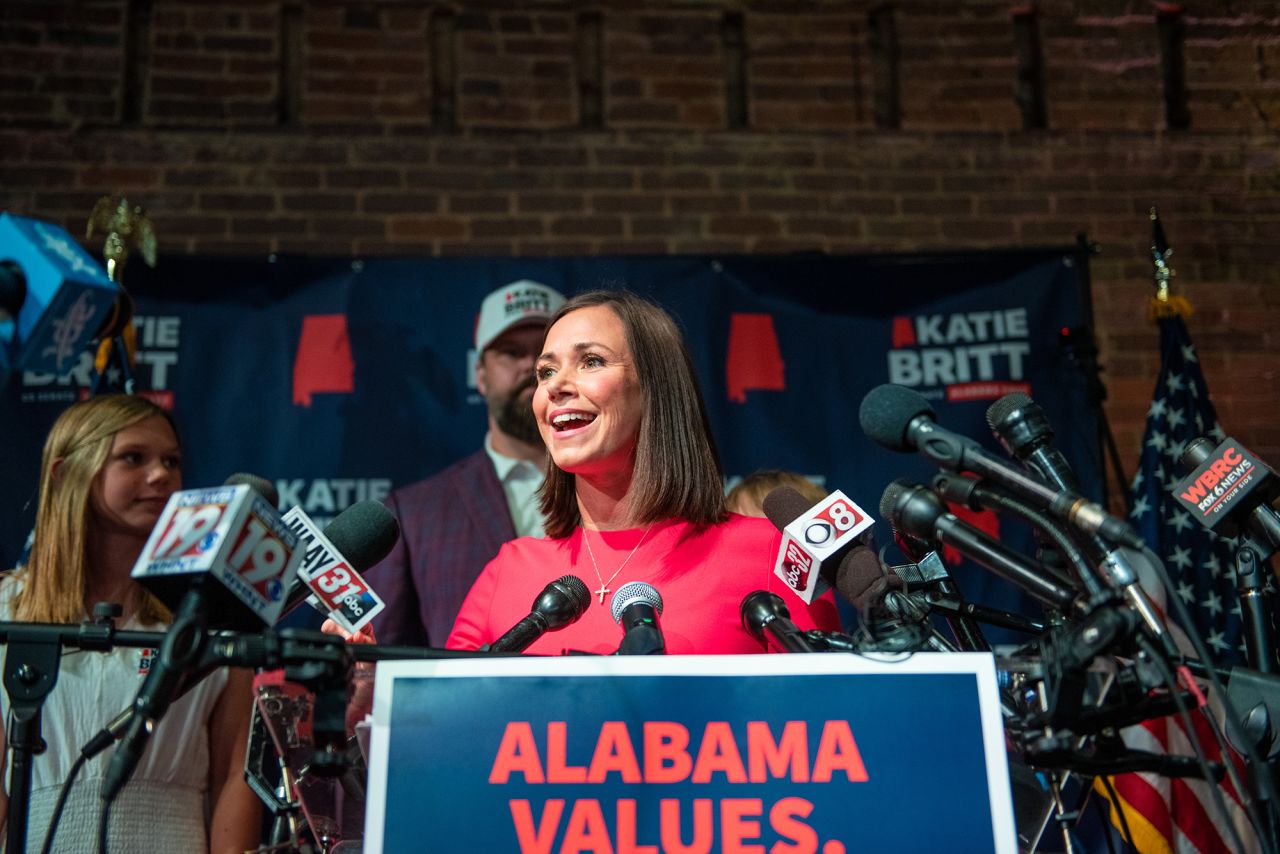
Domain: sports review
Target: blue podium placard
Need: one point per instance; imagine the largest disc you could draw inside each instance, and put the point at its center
(777, 753)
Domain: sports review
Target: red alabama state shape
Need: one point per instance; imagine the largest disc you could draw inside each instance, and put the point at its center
(323, 362)
(754, 361)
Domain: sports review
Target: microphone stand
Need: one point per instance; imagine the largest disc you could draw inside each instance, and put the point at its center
(956, 608)
(32, 657)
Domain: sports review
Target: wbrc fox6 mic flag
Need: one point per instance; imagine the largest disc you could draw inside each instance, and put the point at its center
(814, 538)
(235, 537)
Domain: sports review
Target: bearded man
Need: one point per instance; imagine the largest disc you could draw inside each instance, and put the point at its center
(454, 522)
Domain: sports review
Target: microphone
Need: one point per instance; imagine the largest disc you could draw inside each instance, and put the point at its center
(1228, 489)
(636, 607)
(559, 604)
(872, 591)
(899, 419)
(920, 513)
(56, 293)
(260, 485)
(816, 539)
(218, 557)
(330, 574)
(766, 618)
(1020, 425)
(361, 535)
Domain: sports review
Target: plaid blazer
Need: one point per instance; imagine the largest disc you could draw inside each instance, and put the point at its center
(451, 525)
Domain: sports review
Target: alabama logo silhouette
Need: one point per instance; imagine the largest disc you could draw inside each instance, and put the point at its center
(323, 364)
(754, 360)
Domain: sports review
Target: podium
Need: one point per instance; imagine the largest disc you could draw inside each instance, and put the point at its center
(770, 753)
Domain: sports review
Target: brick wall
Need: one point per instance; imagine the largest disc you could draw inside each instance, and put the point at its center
(501, 128)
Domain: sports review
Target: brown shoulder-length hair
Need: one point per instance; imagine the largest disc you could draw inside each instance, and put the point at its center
(55, 579)
(676, 468)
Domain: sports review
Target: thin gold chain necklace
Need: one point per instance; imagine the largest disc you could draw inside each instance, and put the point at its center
(604, 585)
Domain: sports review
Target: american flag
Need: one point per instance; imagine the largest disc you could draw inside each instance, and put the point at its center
(1200, 563)
(1164, 814)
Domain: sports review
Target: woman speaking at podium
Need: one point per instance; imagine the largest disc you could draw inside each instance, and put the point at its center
(633, 493)
(110, 464)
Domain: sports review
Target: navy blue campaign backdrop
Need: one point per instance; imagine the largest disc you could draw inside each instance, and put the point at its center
(341, 380)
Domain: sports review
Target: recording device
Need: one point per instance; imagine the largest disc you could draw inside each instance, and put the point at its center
(559, 604)
(920, 513)
(54, 297)
(329, 576)
(636, 608)
(1228, 489)
(899, 419)
(766, 618)
(816, 540)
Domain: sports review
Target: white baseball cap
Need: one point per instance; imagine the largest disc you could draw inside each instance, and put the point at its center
(525, 301)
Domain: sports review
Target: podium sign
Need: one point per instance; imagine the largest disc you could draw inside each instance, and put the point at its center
(770, 753)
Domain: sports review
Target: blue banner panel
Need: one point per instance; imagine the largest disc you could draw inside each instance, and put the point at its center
(340, 380)
(699, 753)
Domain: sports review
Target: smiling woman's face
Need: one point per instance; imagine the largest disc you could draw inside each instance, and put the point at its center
(588, 402)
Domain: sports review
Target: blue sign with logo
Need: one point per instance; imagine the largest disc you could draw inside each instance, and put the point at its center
(825, 753)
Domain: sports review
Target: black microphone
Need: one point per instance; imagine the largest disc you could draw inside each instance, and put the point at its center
(559, 604)
(766, 618)
(920, 513)
(1022, 427)
(636, 607)
(899, 419)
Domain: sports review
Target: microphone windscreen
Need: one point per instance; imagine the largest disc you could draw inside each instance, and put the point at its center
(260, 485)
(1006, 406)
(1197, 453)
(783, 505)
(364, 533)
(889, 499)
(887, 411)
(634, 591)
(576, 589)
